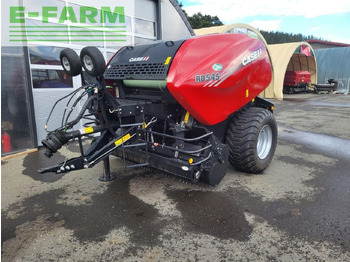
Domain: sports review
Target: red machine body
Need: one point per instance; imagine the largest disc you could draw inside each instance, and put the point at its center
(297, 78)
(213, 76)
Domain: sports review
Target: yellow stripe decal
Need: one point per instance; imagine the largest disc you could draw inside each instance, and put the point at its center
(122, 140)
(167, 61)
(88, 130)
(187, 116)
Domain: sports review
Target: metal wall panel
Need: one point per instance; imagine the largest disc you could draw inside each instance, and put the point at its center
(334, 63)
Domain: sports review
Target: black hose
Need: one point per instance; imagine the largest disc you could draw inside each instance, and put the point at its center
(73, 106)
(81, 113)
(86, 87)
(65, 109)
(53, 107)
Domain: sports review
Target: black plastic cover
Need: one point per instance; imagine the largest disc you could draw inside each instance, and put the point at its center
(143, 62)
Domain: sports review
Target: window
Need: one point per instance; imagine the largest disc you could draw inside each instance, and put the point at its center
(49, 78)
(15, 103)
(45, 55)
(144, 27)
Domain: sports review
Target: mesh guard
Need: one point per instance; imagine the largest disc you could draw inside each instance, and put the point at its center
(143, 62)
(149, 71)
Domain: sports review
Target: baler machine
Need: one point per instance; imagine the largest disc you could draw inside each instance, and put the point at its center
(186, 107)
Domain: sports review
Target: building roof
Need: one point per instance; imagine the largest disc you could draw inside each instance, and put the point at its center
(311, 41)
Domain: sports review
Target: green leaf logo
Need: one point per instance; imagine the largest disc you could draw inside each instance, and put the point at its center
(217, 67)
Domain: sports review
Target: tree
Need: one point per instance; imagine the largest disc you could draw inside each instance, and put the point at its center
(199, 20)
(273, 37)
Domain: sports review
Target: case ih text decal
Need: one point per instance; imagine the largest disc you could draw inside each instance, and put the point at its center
(253, 56)
(139, 59)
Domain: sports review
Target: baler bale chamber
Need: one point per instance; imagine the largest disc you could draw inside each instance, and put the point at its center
(186, 107)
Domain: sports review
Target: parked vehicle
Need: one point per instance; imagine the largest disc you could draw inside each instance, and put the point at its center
(330, 87)
(296, 81)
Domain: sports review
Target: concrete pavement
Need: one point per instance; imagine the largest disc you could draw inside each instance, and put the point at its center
(297, 210)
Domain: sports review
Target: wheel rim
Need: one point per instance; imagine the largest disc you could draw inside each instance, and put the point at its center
(88, 63)
(66, 63)
(264, 142)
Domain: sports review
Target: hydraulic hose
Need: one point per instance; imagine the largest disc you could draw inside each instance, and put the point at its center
(53, 107)
(85, 87)
(81, 113)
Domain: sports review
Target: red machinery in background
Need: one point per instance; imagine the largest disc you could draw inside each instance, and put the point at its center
(296, 81)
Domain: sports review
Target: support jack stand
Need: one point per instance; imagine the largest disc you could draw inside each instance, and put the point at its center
(107, 172)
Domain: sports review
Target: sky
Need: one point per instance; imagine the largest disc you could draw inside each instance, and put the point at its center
(327, 19)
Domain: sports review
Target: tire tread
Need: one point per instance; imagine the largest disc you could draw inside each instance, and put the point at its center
(241, 138)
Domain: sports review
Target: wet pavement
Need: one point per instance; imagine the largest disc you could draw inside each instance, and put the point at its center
(297, 210)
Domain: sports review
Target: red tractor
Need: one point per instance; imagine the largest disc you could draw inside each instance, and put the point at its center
(186, 107)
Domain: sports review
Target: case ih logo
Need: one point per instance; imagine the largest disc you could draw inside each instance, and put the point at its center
(139, 59)
(253, 56)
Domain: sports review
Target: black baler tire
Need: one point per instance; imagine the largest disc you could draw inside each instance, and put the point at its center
(98, 61)
(74, 61)
(242, 137)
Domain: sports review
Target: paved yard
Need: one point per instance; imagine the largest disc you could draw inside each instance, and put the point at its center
(297, 210)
